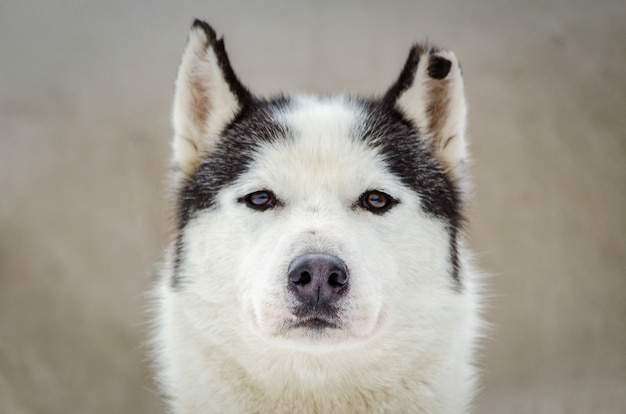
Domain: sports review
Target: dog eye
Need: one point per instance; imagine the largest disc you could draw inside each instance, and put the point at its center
(377, 201)
(260, 200)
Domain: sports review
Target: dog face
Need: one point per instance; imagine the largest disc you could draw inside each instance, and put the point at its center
(313, 222)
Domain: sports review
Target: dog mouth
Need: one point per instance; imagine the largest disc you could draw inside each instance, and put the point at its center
(316, 324)
(315, 318)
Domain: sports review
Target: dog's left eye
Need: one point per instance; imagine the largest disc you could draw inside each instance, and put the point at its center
(377, 201)
(260, 200)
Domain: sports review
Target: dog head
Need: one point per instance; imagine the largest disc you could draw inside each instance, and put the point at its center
(316, 221)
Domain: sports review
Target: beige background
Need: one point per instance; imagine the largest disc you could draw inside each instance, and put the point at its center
(85, 96)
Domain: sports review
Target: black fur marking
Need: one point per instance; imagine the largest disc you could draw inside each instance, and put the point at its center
(226, 162)
(410, 159)
(178, 258)
(236, 87)
(406, 78)
(439, 67)
(406, 155)
(230, 158)
(454, 256)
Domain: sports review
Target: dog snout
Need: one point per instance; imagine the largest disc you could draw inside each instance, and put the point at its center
(318, 279)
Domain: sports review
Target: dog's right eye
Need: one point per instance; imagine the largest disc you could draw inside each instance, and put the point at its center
(260, 200)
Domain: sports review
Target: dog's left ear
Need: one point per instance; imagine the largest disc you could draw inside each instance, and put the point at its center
(430, 93)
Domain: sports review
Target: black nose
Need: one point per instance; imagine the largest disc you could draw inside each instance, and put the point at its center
(318, 279)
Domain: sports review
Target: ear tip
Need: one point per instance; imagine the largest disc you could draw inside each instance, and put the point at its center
(425, 47)
(418, 48)
(205, 28)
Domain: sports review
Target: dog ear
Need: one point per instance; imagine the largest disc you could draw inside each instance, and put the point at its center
(207, 98)
(430, 93)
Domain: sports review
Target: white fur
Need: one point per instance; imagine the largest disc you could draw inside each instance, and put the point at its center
(407, 334)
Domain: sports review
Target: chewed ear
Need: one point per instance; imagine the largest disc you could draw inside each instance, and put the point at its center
(208, 96)
(430, 92)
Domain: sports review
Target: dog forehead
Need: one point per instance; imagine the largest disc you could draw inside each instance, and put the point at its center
(324, 145)
(337, 113)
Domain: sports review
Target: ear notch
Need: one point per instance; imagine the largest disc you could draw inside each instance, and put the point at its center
(429, 92)
(208, 96)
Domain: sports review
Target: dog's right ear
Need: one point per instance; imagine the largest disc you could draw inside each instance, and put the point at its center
(430, 93)
(208, 96)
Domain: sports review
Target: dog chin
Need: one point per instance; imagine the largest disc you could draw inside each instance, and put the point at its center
(316, 338)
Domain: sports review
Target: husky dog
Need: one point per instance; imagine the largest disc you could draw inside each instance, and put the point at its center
(318, 263)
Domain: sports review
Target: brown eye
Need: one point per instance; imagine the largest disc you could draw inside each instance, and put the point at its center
(260, 200)
(377, 201)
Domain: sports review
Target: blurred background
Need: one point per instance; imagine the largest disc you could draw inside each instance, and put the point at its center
(85, 97)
